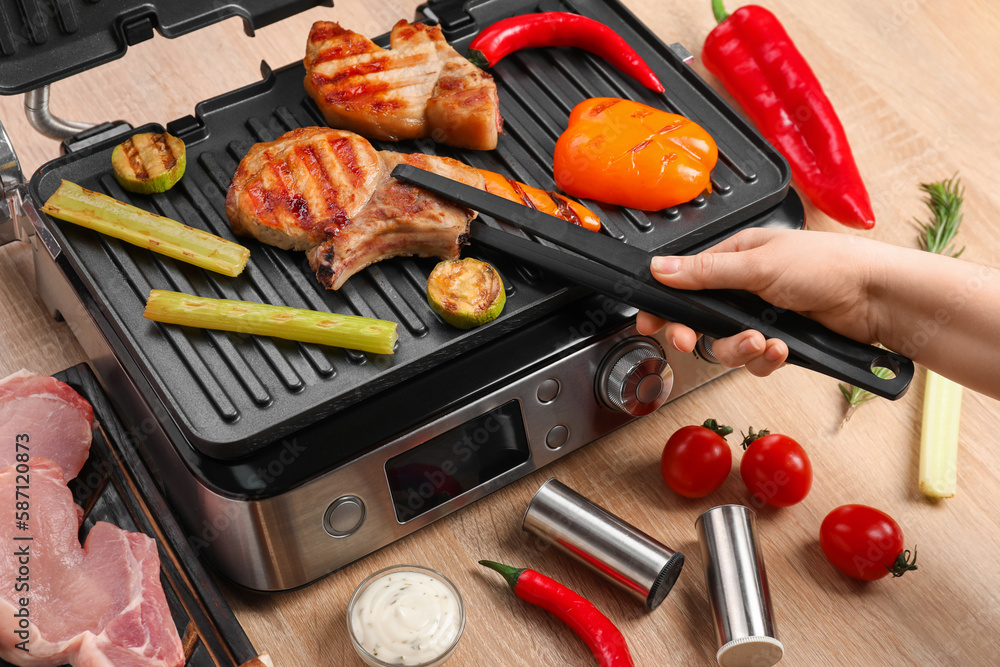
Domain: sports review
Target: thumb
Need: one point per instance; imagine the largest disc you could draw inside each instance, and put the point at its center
(707, 270)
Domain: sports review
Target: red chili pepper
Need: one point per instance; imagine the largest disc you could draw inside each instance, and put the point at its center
(753, 56)
(604, 639)
(529, 31)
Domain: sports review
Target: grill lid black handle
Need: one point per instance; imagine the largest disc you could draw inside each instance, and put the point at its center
(622, 272)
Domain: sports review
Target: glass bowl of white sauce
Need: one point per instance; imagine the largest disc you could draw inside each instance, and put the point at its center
(405, 615)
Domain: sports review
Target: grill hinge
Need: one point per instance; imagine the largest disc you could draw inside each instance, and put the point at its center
(19, 219)
(41, 118)
(41, 232)
(13, 226)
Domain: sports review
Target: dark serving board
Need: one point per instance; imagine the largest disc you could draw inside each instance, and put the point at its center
(231, 395)
(115, 486)
(42, 41)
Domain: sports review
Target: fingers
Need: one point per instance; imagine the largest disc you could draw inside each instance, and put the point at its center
(648, 324)
(739, 349)
(731, 264)
(773, 358)
(738, 262)
(749, 348)
(747, 239)
(679, 336)
(709, 270)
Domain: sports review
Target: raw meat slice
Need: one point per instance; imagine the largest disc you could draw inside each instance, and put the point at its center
(56, 419)
(421, 87)
(97, 606)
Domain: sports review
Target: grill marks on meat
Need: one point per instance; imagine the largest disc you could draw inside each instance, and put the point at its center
(329, 192)
(419, 88)
(101, 604)
(399, 220)
(293, 192)
(57, 420)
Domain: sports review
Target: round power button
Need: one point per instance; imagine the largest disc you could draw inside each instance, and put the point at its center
(548, 390)
(556, 437)
(344, 516)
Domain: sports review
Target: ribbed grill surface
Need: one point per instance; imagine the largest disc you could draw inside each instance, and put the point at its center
(232, 393)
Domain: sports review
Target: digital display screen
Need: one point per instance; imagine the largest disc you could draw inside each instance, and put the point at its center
(456, 461)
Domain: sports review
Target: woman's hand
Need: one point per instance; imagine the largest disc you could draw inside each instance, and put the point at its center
(821, 275)
(942, 312)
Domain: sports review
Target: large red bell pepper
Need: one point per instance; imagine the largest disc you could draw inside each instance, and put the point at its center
(753, 56)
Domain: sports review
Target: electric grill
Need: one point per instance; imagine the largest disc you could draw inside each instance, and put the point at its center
(288, 461)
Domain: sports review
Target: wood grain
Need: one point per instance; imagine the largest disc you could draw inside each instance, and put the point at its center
(917, 85)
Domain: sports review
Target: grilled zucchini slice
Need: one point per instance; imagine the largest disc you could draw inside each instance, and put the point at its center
(465, 292)
(148, 163)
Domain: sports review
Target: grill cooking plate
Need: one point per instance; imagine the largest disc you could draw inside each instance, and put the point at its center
(230, 394)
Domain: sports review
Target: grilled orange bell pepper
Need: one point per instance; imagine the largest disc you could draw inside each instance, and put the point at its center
(545, 201)
(622, 152)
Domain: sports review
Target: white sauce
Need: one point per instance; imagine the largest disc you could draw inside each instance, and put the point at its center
(406, 618)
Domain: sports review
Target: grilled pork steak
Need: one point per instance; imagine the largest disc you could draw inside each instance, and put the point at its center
(292, 192)
(399, 220)
(342, 205)
(420, 88)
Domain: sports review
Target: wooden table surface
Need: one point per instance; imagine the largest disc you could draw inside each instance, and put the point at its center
(917, 86)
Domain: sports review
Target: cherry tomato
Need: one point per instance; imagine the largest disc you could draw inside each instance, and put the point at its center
(696, 459)
(776, 469)
(865, 543)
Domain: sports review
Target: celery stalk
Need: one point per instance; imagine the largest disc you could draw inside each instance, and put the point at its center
(107, 215)
(939, 436)
(942, 397)
(308, 326)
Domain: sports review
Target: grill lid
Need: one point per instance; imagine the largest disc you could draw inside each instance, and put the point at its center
(42, 41)
(231, 395)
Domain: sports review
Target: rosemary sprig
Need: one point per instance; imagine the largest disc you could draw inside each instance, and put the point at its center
(855, 396)
(944, 199)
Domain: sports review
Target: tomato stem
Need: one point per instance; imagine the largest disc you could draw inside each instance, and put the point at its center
(903, 563)
(751, 436)
(715, 427)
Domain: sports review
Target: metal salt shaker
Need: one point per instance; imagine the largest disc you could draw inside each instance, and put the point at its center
(602, 541)
(737, 588)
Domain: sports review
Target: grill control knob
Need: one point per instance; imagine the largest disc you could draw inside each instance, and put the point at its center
(635, 378)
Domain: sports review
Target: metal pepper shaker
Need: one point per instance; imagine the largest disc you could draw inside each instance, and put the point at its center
(600, 540)
(737, 588)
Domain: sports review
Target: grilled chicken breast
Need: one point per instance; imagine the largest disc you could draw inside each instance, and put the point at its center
(419, 88)
(329, 192)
